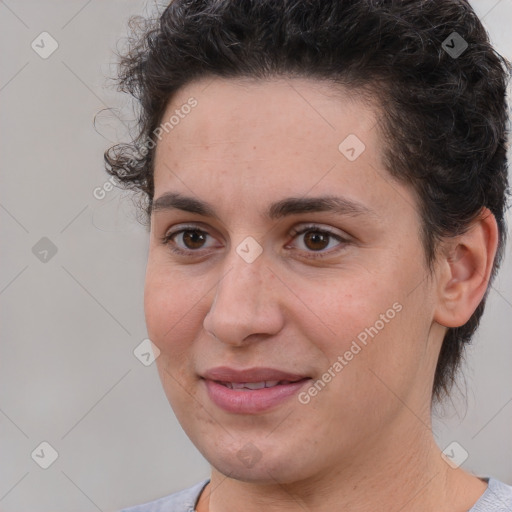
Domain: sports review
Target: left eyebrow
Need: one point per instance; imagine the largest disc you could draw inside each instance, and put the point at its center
(277, 210)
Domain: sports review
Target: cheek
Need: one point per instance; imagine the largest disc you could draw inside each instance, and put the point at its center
(171, 307)
(385, 330)
(369, 323)
(340, 310)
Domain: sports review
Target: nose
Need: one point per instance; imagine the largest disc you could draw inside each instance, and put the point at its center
(246, 304)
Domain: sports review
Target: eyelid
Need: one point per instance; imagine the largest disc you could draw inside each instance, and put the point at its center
(319, 227)
(170, 234)
(295, 231)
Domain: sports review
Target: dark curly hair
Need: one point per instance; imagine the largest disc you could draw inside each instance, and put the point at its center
(443, 116)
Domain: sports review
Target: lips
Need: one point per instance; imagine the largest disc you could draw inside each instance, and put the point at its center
(251, 375)
(251, 391)
(254, 385)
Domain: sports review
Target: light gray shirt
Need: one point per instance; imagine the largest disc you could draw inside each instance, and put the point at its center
(496, 498)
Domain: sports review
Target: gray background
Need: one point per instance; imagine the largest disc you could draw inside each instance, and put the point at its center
(68, 375)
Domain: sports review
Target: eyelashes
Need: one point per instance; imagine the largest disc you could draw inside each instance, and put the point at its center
(177, 241)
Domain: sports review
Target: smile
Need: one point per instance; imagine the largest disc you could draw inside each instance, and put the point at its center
(252, 397)
(254, 385)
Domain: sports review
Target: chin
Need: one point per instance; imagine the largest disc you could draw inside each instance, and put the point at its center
(246, 463)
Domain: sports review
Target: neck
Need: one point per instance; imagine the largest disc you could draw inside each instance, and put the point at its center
(382, 478)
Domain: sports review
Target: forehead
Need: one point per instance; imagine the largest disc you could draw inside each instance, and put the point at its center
(270, 139)
(248, 111)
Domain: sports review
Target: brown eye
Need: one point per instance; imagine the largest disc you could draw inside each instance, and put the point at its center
(188, 241)
(316, 240)
(193, 239)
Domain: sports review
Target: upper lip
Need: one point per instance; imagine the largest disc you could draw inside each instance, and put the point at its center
(226, 374)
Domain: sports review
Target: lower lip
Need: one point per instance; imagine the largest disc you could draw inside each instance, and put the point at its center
(251, 401)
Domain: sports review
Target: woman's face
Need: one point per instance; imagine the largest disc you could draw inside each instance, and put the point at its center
(326, 303)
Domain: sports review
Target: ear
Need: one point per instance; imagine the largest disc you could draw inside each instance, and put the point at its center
(463, 270)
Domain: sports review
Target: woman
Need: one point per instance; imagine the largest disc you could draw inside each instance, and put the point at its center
(326, 186)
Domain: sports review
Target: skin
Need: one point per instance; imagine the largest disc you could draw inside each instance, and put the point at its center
(363, 443)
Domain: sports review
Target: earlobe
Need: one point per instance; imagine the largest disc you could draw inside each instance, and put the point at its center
(464, 269)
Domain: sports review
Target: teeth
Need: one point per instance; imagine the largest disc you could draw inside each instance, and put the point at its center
(251, 385)
(248, 385)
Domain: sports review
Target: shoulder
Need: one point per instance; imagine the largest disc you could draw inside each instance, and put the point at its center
(496, 498)
(182, 501)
